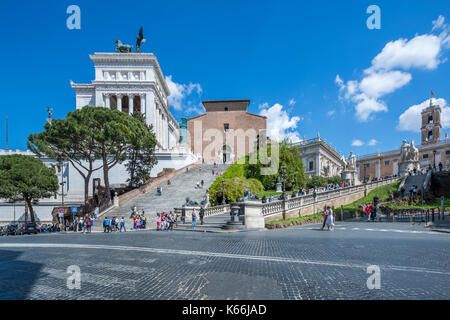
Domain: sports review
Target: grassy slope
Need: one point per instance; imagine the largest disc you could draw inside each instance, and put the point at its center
(382, 193)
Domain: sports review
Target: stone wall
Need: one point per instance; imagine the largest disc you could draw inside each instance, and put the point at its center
(318, 206)
(440, 184)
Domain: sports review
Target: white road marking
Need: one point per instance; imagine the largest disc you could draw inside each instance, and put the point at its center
(380, 230)
(215, 254)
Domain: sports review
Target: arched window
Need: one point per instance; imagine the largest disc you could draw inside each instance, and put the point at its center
(137, 104)
(125, 104)
(113, 102)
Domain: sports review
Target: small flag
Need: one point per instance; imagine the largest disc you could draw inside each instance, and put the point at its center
(432, 94)
(446, 136)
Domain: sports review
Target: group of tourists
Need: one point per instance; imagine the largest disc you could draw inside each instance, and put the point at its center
(81, 224)
(200, 214)
(200, 184)
(139, 218)
(114, 224)
(328, 218)
(166, 221)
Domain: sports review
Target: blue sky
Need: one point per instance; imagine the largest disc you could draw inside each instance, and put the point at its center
(308, 65)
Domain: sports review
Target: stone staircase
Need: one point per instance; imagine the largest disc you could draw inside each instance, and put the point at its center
(173, 195)
(210, 224)
(417, 180)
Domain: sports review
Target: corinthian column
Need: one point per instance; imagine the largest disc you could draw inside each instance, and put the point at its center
(131, 103)
(119, 102)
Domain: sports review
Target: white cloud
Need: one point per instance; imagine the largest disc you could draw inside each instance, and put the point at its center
(331, 113)
(411, 119)
(372, 142)
(195, 109)
(279, 124)
(421, 52)
(264, 105)
(179, 92)
(379, 84)
(357, 143)
(366, 106)
(292, 102)
(438, 23)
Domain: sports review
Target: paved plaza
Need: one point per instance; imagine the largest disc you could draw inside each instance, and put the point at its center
(297, 263)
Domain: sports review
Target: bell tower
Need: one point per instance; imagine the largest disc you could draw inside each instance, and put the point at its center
(431, 124)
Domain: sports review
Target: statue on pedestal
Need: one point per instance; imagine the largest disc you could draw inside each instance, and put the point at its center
(123, 48)
(409, 158)
(140, 40)
(349, 173)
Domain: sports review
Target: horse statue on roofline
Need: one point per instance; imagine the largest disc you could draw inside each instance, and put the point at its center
(123, 48)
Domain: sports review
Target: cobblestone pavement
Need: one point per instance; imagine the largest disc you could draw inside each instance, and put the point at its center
(296, 263)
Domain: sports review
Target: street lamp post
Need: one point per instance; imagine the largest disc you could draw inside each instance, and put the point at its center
(434, 159)
(283, 171)
(62, 193)
(223, 192)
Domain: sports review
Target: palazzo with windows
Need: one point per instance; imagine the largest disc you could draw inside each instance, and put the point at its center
(432, 150)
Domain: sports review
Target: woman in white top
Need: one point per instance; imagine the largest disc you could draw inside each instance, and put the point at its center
(330, 220)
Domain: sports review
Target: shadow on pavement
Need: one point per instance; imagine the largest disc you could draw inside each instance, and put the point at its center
(16, 276)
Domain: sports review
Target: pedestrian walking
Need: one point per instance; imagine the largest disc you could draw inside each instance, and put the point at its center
(201, 214)
(158, 221)
(106, 224)
(194, 218)
(330, 221)
(325, 216)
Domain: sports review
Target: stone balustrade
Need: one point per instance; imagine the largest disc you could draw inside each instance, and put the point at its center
(212, 211)
(256, 213)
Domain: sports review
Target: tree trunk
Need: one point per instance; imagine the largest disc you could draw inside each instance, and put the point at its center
(132, 168)
(106, 177)
(26, 212)
(28, 201)
(86, 189)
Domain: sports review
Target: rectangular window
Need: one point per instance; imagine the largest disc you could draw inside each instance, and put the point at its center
(447, 152)
(311, 166)
(425, 156)
(367, 165)
(226, 127)
(386, 163)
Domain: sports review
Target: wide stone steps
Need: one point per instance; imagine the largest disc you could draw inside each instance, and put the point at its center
(173, 195)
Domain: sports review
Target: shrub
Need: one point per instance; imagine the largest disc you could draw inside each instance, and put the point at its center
(334, 180)
(234, 189)
(316, 182)
(289, 157)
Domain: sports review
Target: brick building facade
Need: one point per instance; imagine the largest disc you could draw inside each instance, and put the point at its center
(226, 132)
(432, 150)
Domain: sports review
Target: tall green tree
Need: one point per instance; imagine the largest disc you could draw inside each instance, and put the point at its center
(289, 157)
(112, 132)
(141, 153)
(70, 139)
(26, 178)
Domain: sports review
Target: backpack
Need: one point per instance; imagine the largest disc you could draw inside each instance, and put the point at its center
(89, 223)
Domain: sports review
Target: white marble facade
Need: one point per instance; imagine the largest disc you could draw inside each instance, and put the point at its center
(129, 82)
(126, 82)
